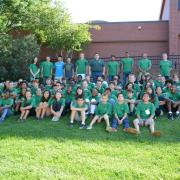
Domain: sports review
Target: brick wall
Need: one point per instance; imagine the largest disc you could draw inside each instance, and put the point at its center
(136, 37)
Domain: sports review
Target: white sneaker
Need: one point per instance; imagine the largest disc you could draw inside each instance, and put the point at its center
(55, 118)
(89, 128)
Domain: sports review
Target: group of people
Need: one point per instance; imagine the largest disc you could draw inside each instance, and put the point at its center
(82, 90)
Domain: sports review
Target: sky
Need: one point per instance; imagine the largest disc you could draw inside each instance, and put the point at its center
(113, 10)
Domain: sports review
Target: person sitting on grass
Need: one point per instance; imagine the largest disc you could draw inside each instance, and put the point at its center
(145, 114)
(94, 101)
(130, 98)
(57, 106)
(27, 107)
(162, 100)
(6, 104)
(103, 111)
(42, 109)
(121, 110)
(19, 99)
(173, 103)
(78, 112)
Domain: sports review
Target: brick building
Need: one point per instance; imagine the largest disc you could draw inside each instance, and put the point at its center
(153, 37)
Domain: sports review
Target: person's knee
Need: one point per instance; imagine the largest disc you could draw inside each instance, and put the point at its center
(136, 121)
(106, 117)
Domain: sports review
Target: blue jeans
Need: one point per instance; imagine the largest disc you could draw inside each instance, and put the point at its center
(5, 113)
(115, 123)
(95, 75)
(112, 101)
(125, 76)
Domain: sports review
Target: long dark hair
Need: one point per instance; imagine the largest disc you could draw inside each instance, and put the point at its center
(43, 99)
(77, 95)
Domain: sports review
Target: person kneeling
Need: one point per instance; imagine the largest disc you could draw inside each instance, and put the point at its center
(145, 114)
(120, 116)
(78, 112)
(103, 111)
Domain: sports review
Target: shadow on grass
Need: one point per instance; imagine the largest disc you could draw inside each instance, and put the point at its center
(61, 132)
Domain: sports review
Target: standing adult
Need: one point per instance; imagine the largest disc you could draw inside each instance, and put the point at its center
(96, 67)
(69, 69)
(34, 70)
(127, 66)
(81, 66)
(46, 69)
(165, 66)
(144, 65)
(59, 69)
(112, 68)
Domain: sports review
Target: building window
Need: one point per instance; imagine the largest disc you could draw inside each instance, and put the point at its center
(179, 5)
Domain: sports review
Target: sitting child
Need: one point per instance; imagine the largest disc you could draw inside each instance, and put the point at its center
(6, 104)
(145, 114)
(27, 107)
(78, 112)
(57, 106)
(120, 115)
(103, 111)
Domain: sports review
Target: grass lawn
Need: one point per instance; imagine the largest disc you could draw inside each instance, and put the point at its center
(50, 150)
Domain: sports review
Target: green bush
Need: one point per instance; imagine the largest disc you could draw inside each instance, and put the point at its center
(16, 55)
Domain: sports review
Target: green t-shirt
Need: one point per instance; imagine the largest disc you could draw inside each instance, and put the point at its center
(81, 65)
(29, 102)
(115, 92)
(53, 101)
(175, 97)
(97, 98)
(127, 64)
(104, 109)
(144, 64)
(46, 69)
(87, 94)
(37, 100)
(121, 109)
(165, 67)
(34, 69)
(96, 65)
(69, 96)
(76, 105)
(177, 84)
(8, 102)
(112, 68)
(101, 90)
(145, 110)
(158, 83)
(125, 94)
(91, 85)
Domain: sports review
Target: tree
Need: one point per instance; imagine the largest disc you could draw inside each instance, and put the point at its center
(16, 56)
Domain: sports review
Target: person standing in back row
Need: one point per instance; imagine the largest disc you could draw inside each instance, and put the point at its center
(46, 69)
(165, 66)
(112, 68)
(81, 66)
(127, 66)
(144, 65)
(96, 67)
(59, 69)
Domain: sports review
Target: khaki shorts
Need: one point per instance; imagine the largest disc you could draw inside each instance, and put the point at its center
(144, 122)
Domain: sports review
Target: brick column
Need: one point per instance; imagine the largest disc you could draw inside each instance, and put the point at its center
(174, 27)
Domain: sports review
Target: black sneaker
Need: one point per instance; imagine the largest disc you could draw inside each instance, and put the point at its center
(82, 126)
(71, 125)
(170, 116)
